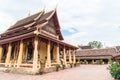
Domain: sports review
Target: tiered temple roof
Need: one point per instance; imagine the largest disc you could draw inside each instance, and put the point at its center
(28, 26)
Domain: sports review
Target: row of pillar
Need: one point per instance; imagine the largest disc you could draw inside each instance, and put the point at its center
(35, 54)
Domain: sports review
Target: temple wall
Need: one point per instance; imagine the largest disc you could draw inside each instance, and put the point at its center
(55, 52)
(43, 51)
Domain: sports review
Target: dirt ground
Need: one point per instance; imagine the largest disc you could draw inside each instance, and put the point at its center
(83, 72)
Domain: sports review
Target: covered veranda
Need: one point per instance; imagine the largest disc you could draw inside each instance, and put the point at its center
(35, 51)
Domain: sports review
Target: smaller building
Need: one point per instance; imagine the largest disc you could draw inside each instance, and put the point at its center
(116, 57)
(96, 54)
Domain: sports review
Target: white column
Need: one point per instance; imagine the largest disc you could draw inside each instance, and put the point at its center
(74, 56)
(70, 58)
(1, 50)
(20, 54)
(64, 56)
(58, 55)
(48, 55)
(35, 56)
(8, 55)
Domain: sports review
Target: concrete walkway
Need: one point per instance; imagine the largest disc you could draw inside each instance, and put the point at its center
(84, 72)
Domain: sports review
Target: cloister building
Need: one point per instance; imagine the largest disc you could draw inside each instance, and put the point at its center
(35, 41)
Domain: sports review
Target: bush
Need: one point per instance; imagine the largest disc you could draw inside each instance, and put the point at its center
(115, 71)
(85, 61)
(99, 61)
(75, 64)
(93, 62)
(63, 66)
(110, 61)
(57, 67)
(71, 65)
(41, 71)
(81, 62)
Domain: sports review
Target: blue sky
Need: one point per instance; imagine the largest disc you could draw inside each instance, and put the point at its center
(81, 21)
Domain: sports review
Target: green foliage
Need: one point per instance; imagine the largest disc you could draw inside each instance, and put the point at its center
(57, 67)
(99, 61)
(75, 64)
(110, 61)
(63, 66)
(71, 65)
(115, 71)
(93, 62)
(41, 71)
(95, 44)
(85, 61)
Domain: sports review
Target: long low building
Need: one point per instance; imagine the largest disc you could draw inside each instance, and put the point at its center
(96, 54)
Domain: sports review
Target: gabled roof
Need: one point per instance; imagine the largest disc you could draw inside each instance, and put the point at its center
(26, 20)
(35, 19)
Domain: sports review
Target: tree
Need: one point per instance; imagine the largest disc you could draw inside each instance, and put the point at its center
(95, 44)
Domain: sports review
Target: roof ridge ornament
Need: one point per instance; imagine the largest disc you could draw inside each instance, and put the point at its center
(42, 12)
(29, 14)
(51, 15)
(56, 7)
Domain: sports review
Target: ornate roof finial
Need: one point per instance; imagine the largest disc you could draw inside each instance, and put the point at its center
(56, 7)
(29, 13)
(44, 8)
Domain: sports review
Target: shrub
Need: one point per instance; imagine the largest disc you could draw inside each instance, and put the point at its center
(93, 62)
(41, 71)
(85, 61)
(63, 66)
(99, 61)
(57, 67)
(81, 62)
(71, 65)
(110, 61)
(115, 71)
(75, 64)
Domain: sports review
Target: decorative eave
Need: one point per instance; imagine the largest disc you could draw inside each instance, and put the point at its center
(56, 22)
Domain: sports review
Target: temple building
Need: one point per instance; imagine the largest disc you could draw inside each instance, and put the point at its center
(34, 42)
(91, 55)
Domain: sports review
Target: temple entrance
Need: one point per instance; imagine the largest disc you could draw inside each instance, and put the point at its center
(30, 53)
(12, 53)
(51, 53)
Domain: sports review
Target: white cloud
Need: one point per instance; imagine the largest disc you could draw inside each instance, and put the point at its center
(6, 20)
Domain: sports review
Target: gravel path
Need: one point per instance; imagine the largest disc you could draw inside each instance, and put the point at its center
(83, 72)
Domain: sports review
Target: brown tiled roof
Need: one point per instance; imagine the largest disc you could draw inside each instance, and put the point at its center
(85, 47)
(46, 15)
(31, 18)
(29, 24)
(96, 53)
(26, 20)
